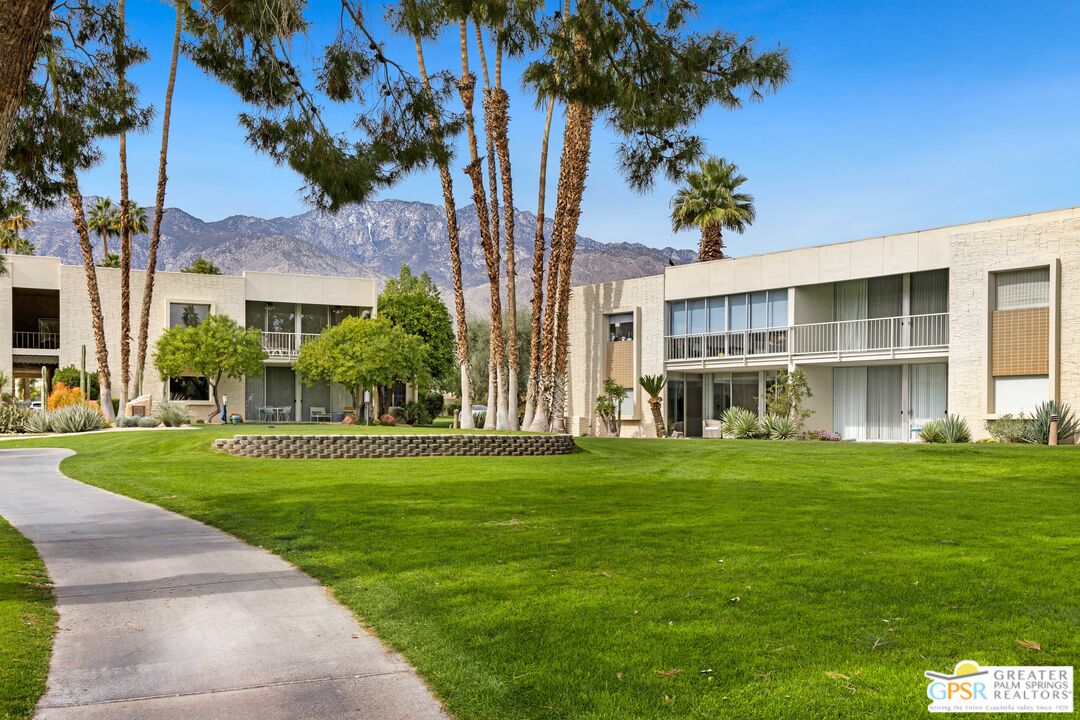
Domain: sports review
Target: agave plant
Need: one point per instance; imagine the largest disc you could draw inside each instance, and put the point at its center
(171, 413)
(38, 422)
(12, 417)
(1038, 430)
(127, 421)
(932, 432)
(740, 423)
(779, 427)
(954, 429)
(76, 418)
(147, 422)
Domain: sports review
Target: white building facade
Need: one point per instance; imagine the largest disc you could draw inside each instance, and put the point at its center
(45, 322)
(977, 320)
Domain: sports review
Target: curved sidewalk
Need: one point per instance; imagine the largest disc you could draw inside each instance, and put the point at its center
(164, 617)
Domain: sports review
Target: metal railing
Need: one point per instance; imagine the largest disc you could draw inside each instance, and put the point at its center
(285, 344)
(21, 340)
(837, 337)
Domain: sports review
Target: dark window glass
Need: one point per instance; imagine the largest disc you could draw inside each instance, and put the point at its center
(189, 387)
(281, 317)
(744, 390)
(340, 312)
(621, 327)
(313, 319)
(187, 314)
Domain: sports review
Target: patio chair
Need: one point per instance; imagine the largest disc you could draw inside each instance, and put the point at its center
(282, 413)
(318, 414)
(711, 429)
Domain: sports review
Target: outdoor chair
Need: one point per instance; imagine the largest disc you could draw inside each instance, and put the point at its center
(318, 414)
(711, 429)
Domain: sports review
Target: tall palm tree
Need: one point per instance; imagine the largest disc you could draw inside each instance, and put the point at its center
(711, 201)
(11, 228)
(136, 224)
(453, 237)
(102, 220)
(18, 220)
(159, 204)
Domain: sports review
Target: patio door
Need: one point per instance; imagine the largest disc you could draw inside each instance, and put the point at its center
(884, 403)
(695, 405)
(281, 389)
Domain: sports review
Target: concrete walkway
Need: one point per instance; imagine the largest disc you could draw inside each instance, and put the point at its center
(164, 617)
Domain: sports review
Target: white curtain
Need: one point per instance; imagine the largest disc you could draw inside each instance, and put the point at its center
(930, 292)
(1022, 289)
(851, 304)
(928, 387)
(884, 411)
(849, 402)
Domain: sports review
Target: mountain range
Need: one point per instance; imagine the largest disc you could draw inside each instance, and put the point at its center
(372, 239)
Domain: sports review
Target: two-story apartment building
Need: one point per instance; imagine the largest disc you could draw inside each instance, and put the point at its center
(977, 320)
(45, 321)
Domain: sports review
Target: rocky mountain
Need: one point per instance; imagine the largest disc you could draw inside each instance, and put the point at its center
(373, 238)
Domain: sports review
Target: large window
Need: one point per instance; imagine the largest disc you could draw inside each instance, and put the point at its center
(1020, 339)
(187, 314)
(313, 318)
(621, 327)
(1018, 289)
(723, 313)
(189, 387)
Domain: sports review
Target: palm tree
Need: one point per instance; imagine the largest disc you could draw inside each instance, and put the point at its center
(159, 204)
(453, 237)
(136, 225)
(18, 220)
(654, 385)
(102, 220)
(711, 201)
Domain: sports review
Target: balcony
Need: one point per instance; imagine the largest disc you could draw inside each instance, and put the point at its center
(284, 344)
(909, 335)
(21, 340)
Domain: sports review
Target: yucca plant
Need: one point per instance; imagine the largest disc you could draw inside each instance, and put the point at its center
(932, 432)
(1038, 431)
(171, 413)
(740, 423)
(38, 422)
(954, 429)
(778, 427)
(76, 418)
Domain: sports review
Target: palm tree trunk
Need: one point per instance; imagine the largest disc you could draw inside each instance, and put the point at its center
(23, 24)
(501, 420)
(125, 241)
(712, 243)
(577, 147)
(159, 206)
(467, 90)
(535, 340)
(657, 416)
(453, 237)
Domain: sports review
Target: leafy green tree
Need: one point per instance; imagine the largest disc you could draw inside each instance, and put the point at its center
(70, 376)
(217, 348)
(363, 353)
(413, 304)
(202, 266)
(786, 395)
(711, 202)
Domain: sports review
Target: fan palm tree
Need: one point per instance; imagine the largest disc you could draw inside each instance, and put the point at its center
(102, 220)
(654, 385)
(18, 220)
(711, 201)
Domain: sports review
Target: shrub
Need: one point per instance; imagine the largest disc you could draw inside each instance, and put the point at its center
(13, 418)
(452, 407)
(955, 429)
(932, 432)
(38, 422)
(479, 418)
(778, 427)
(740, 423)
(434, 403)
(397, 412)
(1039, 425)
(70, 376)
(171, 413)
(831, 436)
(76, 418)
(63, 396)
(1009, 429)
(126, 421)
(416, 413)
(147, 422)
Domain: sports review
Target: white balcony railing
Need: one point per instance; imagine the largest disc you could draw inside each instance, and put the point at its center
(21, 340)
(909, 332)
(285, 344)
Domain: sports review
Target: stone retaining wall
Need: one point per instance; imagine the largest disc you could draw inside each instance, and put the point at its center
(382, 446)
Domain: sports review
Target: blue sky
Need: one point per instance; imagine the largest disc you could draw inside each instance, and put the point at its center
(898, 116)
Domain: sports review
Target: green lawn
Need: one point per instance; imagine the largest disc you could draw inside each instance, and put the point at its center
(27, 619)
(660, 579)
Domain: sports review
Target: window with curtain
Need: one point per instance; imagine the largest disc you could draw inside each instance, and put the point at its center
(885, 296)
(675, 397)
(677, 317)
(696, 311)
(778, 308)
(851, 304)
(930, 292)
(759, 310)
(928, 387)
(744, 390)
(738, 316)
(849, 402)
(717, 314)
(1017, 289)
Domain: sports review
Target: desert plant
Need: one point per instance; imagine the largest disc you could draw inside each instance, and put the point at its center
(13, 418)
(148, 422)
(932, 432)
(415, 413)
(653, 385)
(779, 427)
(76, 418)
(609, 405)
(1038, 430)
(127, 421)
(38, 422)
(63, 396)
(434, 403)
(479, 418)
(1009, 429)
(171, 413)
(955, 429)
(738, 422)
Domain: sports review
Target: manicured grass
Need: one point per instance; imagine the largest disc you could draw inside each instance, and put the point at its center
(27, 620)
(670, 579)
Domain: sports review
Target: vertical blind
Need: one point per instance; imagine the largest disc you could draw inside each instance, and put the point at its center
(930, 292)
(884, 409)
(928, 387)
(849, 402)
(1022, 289)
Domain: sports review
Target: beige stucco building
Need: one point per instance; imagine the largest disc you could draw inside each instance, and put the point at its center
(977, 320)
(45, 321)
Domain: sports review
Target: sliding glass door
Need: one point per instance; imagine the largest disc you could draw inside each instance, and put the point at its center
(884, 403)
